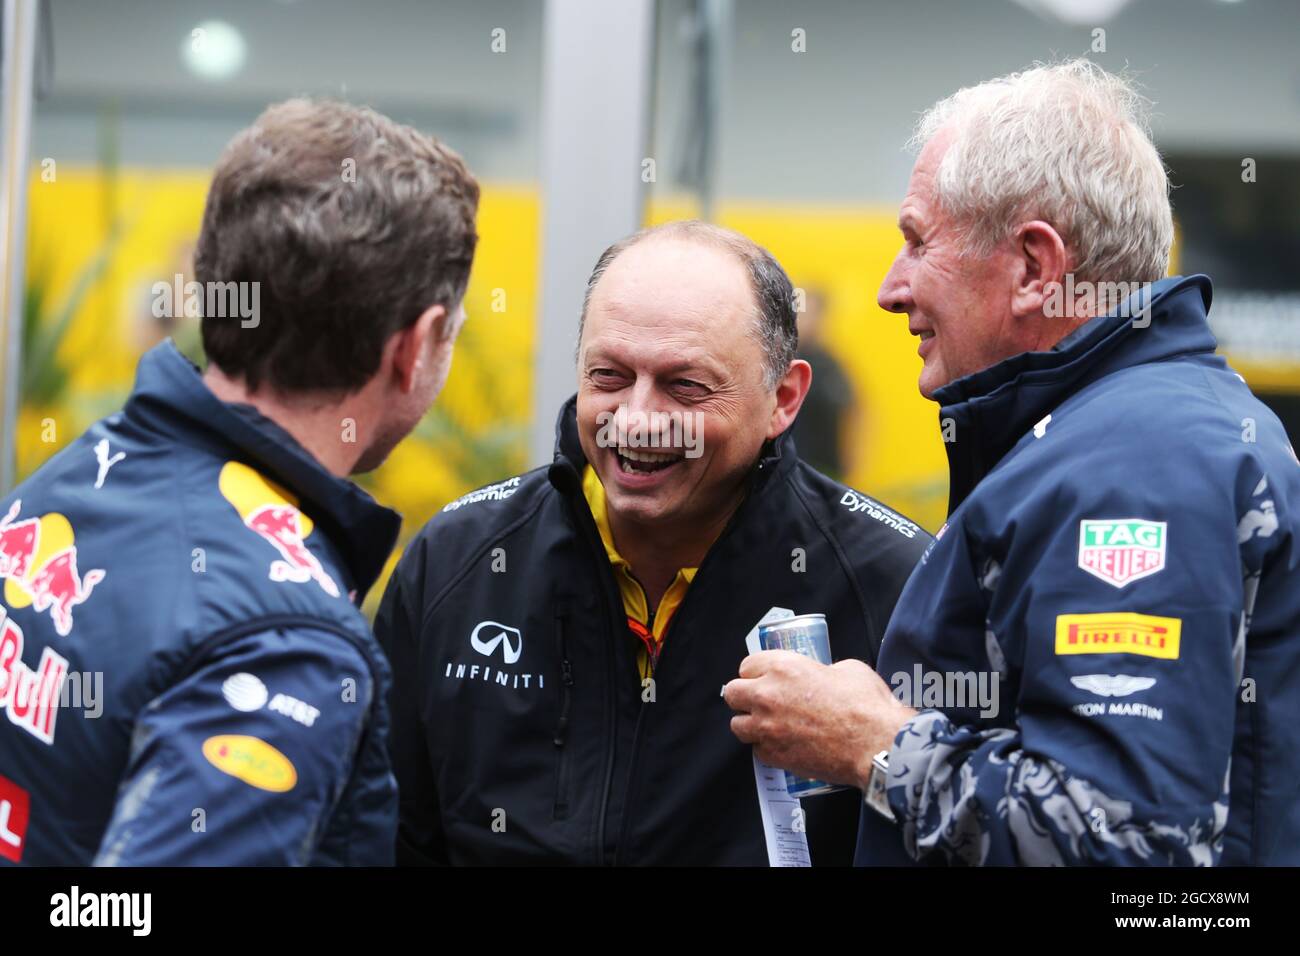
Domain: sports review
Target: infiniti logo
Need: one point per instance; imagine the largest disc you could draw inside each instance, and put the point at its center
(485, 638)
(489, 634)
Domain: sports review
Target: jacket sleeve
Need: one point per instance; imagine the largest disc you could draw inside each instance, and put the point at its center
(420, 840)
(243, 762)
(1131, 635)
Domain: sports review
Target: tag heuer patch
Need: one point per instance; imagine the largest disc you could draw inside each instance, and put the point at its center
(1120, 550)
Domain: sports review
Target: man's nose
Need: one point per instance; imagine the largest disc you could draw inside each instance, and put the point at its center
(644, 395)
(895, 293)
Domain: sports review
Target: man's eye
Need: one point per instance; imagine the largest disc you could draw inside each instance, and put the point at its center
(688, 384)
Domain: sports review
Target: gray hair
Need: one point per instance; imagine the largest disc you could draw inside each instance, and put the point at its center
(776, 329)
(1068, 143)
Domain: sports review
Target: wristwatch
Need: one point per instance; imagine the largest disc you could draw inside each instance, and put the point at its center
(876, 797)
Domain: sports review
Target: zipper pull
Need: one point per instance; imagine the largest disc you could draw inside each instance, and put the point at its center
(566, 685)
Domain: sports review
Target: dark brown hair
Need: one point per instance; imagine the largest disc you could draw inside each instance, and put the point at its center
(353, 225)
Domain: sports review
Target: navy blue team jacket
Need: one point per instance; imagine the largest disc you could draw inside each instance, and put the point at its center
(1122, 553)
(185, 675)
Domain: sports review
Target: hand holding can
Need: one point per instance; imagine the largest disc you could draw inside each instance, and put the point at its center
(808, 635)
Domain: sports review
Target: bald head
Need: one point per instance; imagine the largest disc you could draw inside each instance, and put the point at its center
(770, 300)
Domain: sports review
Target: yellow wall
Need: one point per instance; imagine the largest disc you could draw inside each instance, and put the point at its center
(478, 432)
(899, 457)
(843, 253)
(159, 215)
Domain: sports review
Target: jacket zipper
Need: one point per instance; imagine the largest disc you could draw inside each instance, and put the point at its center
(560, 737)
(607, 576)
(655, 673)
(596, 549)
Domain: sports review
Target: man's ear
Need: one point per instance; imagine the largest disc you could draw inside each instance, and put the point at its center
(412, 346)
(790, 393)
(1042, 261)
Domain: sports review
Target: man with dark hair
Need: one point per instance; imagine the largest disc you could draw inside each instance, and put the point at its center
(187, 676)
(369, 218)
(559, 639)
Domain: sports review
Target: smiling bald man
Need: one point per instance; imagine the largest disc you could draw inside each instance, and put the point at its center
(560, 639)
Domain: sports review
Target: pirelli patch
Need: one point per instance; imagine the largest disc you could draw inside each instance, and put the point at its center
(1119, 632)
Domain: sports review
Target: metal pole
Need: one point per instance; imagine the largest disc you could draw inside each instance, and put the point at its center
(718, 19)
(709, 54)
(596, 69)
(17, 66)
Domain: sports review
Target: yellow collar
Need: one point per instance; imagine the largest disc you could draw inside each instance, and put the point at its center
(634, 599)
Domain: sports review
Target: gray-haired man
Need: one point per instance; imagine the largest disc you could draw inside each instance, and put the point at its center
(1121, 551)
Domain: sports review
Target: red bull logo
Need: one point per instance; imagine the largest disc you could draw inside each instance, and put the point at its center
(29, 698)
(272, 512)
(17, 543)
(38, 564)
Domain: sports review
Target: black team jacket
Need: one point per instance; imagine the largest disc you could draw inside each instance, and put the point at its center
(522, 732)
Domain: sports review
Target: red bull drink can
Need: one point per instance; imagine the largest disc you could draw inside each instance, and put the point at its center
(804, 634)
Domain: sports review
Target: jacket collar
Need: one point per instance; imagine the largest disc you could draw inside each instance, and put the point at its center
(991, 410)
(171, 398)
(776, 457)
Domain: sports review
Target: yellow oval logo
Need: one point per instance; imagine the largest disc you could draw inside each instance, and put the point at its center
(251, 760)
